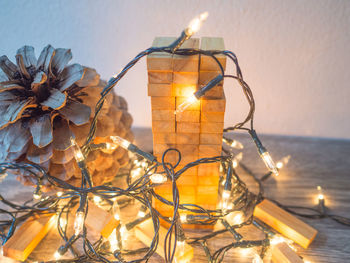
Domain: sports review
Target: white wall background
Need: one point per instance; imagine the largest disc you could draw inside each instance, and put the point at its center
(295, 55)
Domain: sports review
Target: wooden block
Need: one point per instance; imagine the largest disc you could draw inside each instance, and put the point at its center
(160, 90)
(170, 157)
(188, 159)
(209, 170)
(187, 63)
(163, 138)
(282, 253)
(193, 107)
(209, 150)
(207, 190)
(215, 93)
(187, 138)
(212, 116)
(213, 105)
(145, 233)
(160, 77)
(187, 149)
(212, 127)
(191, 180)
(159, 149)
(191, 171)
(100, 220)
(212, 43)
(210, 138)
(161, 60)
(184, 90)
(163, 115)
(28, 236)
(189, 78)
(212, 180)
(163, 103)
(285, 223)
(188, 127)
(206, 76)
(187, 192)
(163, 126)
(188, 116)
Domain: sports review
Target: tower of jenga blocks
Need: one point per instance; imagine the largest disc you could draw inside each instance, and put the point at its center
(195, 132)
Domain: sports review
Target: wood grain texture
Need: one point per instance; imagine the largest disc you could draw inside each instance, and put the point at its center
(285, 223)
(157, 90)
(314, 162)
(282, 253)
(187, 63)
(212, 43)
(161, 60)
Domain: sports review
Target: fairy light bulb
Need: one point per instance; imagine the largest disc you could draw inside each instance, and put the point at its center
(78, 154)
(180, 247)
(97, 199)
(158, 178)
(237, 159)
(226, 194)
(320, 195)
(137, 172)
(116, 210)
(270, 164)
(62, 222)
(183, 218)
(233, 143)
(142, 211)
(235, 218)
(78, 222)
(111, 146)
(124, 233)
(120, 141)
(59, 194)
(187, 103)
(37, 196)
(113, 241)
(196, 23)
(280, 164)
(257, 259)
(57, 255)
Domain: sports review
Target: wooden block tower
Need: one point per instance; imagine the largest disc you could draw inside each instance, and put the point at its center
(195, 132)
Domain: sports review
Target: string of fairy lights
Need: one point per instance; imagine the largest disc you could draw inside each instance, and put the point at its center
(144, 173)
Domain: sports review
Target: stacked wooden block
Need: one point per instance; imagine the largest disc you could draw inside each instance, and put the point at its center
(196, 132)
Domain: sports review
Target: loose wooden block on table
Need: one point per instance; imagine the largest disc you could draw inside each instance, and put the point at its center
(160, 77)
(163, 126)
(212, 43)
(210, 138)
(145, 233)
(163, 103)
(28, 236)
(285, 223)
(282, 253)
(161, 60)
(100, 220)
(187, 63)
(157, 90)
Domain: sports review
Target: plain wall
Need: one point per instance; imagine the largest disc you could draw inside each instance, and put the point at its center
(294, 54)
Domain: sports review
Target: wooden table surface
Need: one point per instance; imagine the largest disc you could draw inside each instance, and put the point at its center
(313, 162)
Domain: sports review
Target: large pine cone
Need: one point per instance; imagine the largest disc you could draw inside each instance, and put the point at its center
(45, 102)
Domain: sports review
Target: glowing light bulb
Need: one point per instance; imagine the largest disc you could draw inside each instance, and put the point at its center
(141, 214)
(59, 194)
(235, 218)
(269, 162)
(78, 222)
(62, 222)
(158, 178)
(226, 194)
(137, 172)
(283, 162)
(124, 233)
(237, 159)
(37, 196)
(187, 103)
(57, 255)
(116, 210)
(111, 146)
(97, 199)
(180, 247)
(183, 218)
(78, 154)
(320, 195)
(1, 251)
(120, 141)
(233, 143)
(196, 24)
(113, 241)
(257, 259)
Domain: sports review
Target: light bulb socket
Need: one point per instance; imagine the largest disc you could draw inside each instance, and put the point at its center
(228, 180)
(133, 148)
(211, 84)
(258, 143)
(179, 41)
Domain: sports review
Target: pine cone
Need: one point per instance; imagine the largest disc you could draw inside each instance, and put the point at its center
(45, 102)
